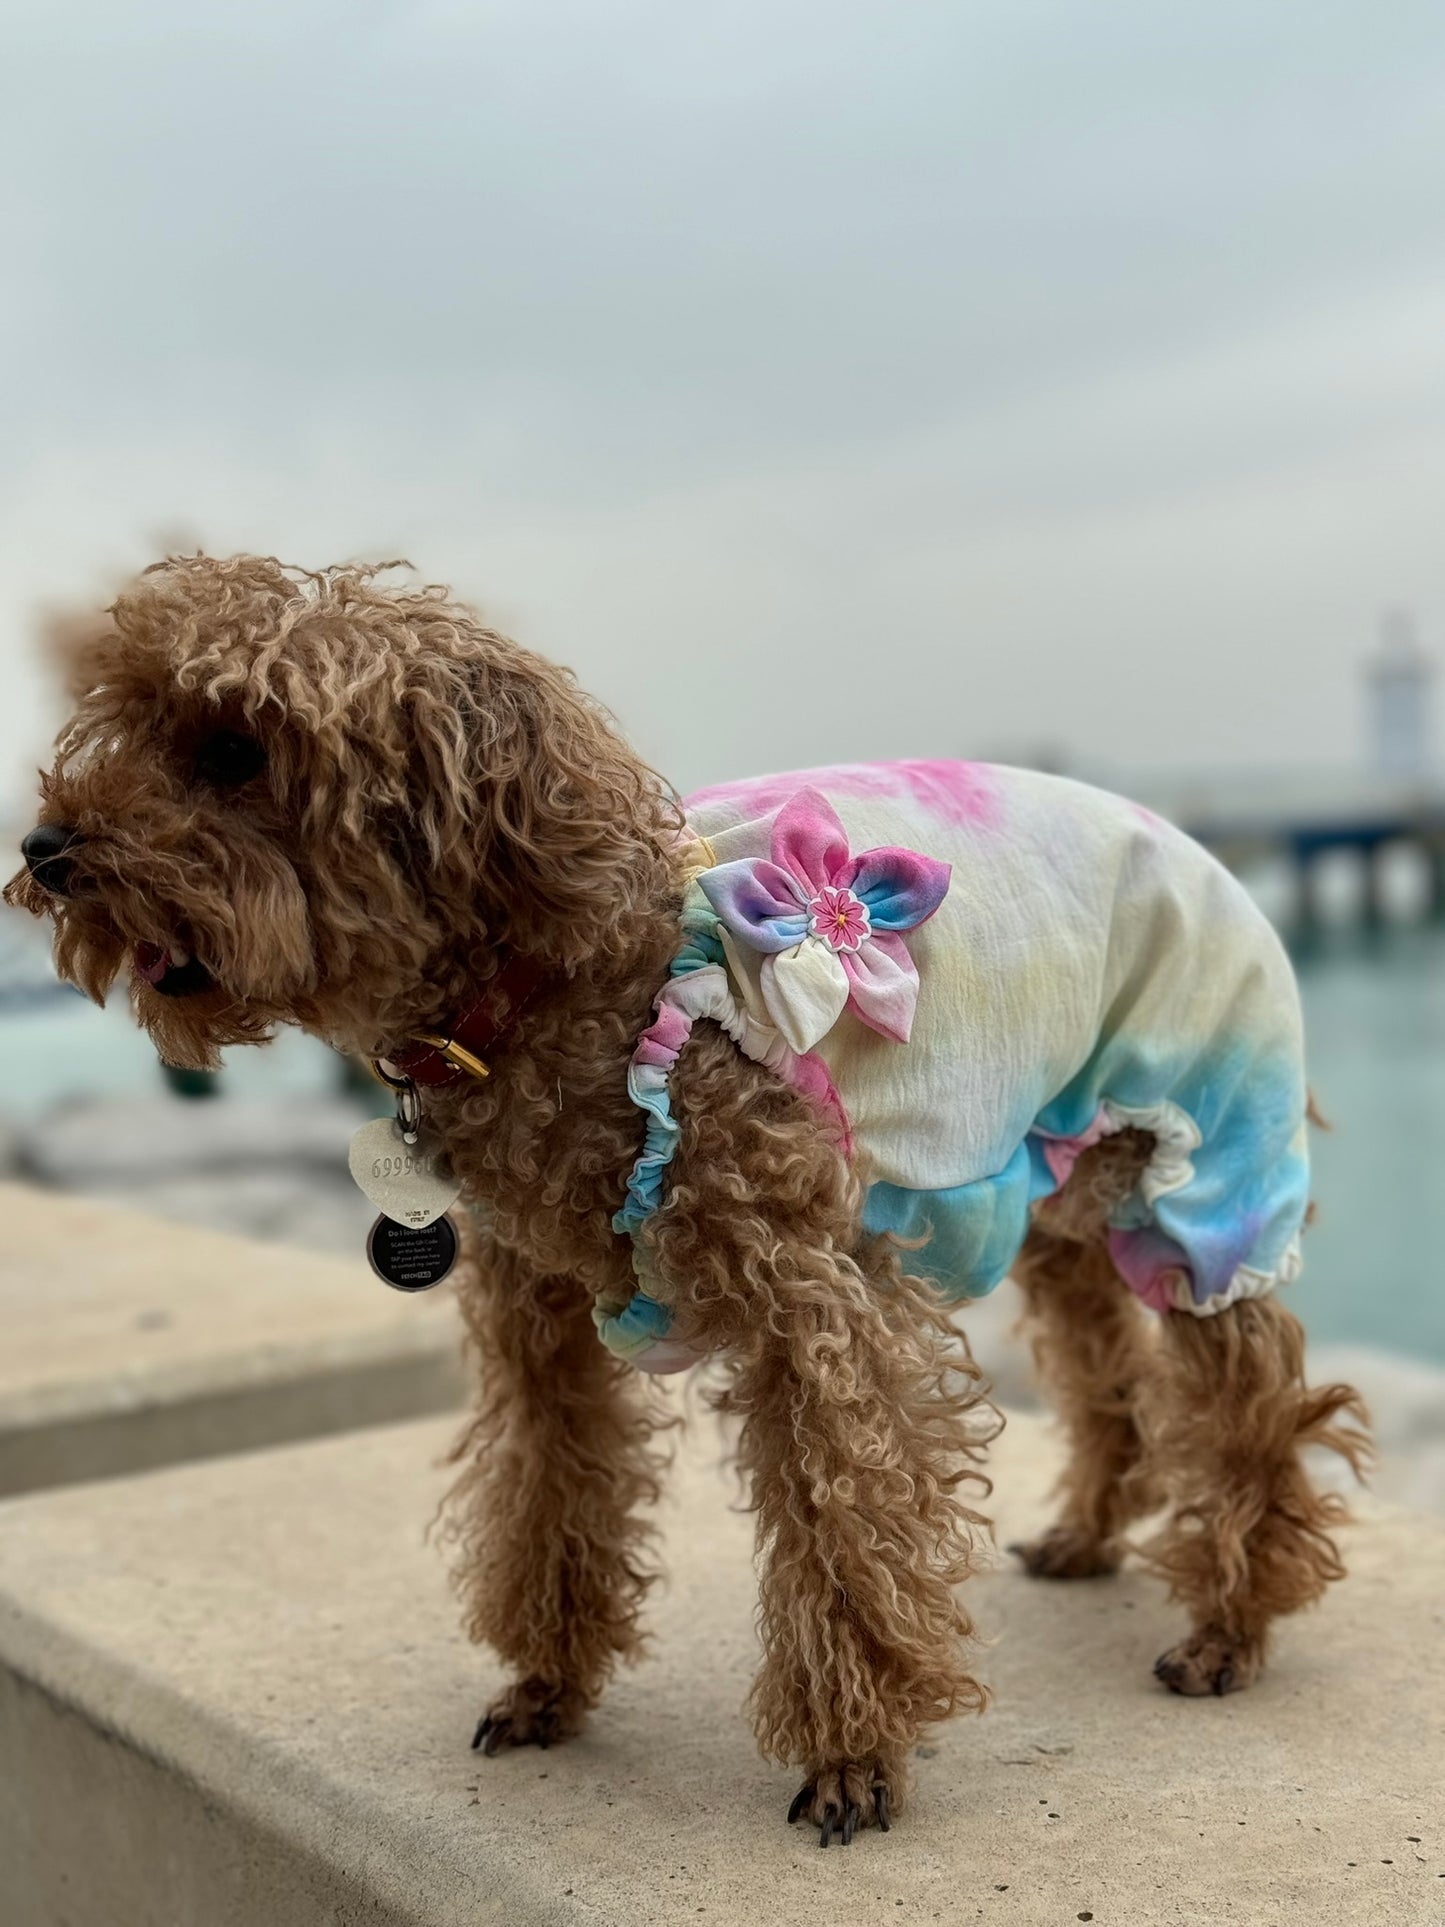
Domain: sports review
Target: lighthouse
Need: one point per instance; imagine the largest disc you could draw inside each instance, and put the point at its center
(1400, 675)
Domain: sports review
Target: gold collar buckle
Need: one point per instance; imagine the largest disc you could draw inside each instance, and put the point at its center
(456, 1054)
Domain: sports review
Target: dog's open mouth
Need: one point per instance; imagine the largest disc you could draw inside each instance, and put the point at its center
(170, 970)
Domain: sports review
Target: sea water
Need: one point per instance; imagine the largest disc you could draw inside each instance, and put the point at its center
(1375, 1031)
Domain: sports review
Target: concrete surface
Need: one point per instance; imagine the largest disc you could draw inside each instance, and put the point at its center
(234, 1695)
(128, 1343)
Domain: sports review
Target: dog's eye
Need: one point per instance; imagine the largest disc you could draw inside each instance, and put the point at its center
(227, 759)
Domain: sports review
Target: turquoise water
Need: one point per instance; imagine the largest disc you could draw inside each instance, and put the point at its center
(63, 1050)
(1375, 1023)
(1375, 1015)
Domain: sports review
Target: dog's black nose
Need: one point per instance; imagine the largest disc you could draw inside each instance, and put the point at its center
(47, 851)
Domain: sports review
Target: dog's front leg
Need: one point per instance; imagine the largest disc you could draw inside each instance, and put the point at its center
(852, 1442)
(552, 1563)
(854, 1393)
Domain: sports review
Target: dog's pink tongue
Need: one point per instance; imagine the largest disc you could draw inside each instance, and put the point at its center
(152, 961)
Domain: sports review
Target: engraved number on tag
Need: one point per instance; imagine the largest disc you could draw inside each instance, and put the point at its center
(408, 1183)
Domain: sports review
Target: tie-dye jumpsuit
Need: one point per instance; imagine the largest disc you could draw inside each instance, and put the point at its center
(978, 972)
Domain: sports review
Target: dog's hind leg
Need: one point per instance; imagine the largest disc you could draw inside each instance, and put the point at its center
(1090, 1343)
(551, 1562)
(1228, 1415)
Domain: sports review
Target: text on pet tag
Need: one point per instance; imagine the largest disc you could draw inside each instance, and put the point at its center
(408, 1183)
(411, 1260)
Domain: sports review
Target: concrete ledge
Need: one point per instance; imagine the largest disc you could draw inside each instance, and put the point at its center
(130, 1343)
(234, 1694)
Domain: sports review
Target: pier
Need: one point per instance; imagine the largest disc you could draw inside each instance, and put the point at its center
(1253, 823)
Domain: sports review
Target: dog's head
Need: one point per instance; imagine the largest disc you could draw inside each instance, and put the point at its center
(312, 798)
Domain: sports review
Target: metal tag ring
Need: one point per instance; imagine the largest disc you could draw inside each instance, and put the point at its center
(408, 1110)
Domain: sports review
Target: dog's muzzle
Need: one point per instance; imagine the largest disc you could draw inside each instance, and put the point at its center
(47, 853)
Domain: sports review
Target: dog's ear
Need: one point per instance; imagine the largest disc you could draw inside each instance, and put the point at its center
(527, 802)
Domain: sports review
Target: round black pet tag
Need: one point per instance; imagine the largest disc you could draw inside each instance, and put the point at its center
(408, 1259)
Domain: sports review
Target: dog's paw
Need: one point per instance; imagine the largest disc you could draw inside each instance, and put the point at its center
(1063, 1552)
(533, 1712)
(840, 1800)
(1210, 1661)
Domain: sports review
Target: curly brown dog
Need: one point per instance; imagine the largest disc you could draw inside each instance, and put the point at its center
(313, 799)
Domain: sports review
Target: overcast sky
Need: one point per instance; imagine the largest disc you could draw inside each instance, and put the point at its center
(820, 380)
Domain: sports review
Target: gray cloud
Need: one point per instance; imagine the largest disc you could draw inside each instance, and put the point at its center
(926, 378)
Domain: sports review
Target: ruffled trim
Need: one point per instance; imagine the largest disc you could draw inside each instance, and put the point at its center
(1176, 1138)
(1247, 1282)
(637, 1332)
(698, 986)
(1158, 1272)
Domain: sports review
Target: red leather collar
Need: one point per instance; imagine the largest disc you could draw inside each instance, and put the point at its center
(461, 1049)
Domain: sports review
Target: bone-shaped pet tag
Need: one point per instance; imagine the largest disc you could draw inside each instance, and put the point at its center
(410, 1183)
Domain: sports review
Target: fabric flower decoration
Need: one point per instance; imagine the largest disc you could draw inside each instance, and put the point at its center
(827, 924)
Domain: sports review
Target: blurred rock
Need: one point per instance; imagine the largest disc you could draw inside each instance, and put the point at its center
(10, 1154)
(155, 1138)
(274, 1170)
(318, 1209)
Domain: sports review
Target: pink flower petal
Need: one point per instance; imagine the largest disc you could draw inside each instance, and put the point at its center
(809, 841)
(883, 985)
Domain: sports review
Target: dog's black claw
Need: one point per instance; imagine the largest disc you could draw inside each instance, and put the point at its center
(484, 1726)
(1166, 1668)
(496, 1739)
(1223, 1680)
(839, 1822)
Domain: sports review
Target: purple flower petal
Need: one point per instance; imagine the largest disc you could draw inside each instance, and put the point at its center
(759, 903)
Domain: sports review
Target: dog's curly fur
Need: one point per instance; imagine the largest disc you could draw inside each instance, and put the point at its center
(434, 798)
